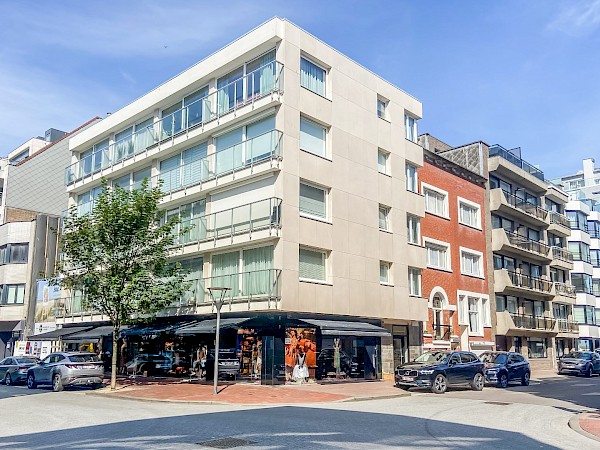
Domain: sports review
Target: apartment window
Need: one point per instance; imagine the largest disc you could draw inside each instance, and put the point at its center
(246, 272)
(133, 139)
(504, 262)
(471, 263)
(414, 281)
(578, 220)
(536, 347)
(413, 229)
(595, 257)
(382, 162)
(313, 265)
(506, 303)
(584, 314)
(594, 229)
(436, 201)
(20, 156)
(411, 178)
(580, 251)
(438, 255)
(502, 222)
(410, 126)
(87, 200)
(474, 312)
(382, 108)
(14, 254)
(384, 221)
(496, 182)
(313, 201)
(474, 319)
(469, 213)
(384, 272)
(12, 294)
(312, 76)
(552, 206)
(312, 137)
(582, 282)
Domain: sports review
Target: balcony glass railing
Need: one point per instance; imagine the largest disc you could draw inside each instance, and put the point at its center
(529, 282)
(565, 289)
(497, 150)
(525, 206)
(267, 146)
(562, 254)
(559, 219)
(526, 244)
(257, 84)
(567, 326)
(533, 322)
(264, 214)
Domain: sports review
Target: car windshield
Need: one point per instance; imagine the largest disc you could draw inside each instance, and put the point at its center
(494, 358)
(433, 357)
(84, 358)
(579, 355)
(26, 360)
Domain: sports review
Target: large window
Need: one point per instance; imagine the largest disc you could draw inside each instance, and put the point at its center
(187, 168)
(536, 347)
(469, 213)
(246, 272)
(313, 137)
(474, 312)
(580, 251)
(577, 220)
(502, 222)
(12, 294)
(584, 314)
(414, 281)
(504, 262)
(313, 264)
(471, 263)
(14, 254)
(507, 303)
(595, 257)
(436, 201)
(313, 201)
(582, 282)
(438, 255)
(312, 76)
(384, 218)
(410, 127)
(413, 229)
(382, 162)
(87, 200)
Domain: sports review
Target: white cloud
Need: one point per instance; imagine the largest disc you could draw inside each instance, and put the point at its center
(578, 18)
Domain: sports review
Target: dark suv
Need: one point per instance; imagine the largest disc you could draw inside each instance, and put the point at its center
(504, 367)
(437, 370)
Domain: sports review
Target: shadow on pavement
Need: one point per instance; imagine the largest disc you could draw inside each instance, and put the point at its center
(579, 391)
(276, 428)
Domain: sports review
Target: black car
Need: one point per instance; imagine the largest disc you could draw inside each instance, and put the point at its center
(579, 363)
(437, 370)
(503, 367)
(348, 366)
(229, 364)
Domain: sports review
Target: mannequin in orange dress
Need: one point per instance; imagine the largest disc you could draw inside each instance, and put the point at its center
(291, 351)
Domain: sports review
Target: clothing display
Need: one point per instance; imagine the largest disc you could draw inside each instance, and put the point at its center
(300, 370)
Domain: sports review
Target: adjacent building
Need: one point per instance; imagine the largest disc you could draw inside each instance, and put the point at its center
(297, 168)
(583, 185)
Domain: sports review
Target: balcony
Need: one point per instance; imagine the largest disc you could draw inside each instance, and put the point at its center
(252, 221)
(514, 243)
(514, 324)
(262, 82)
(508, 155)
(507, 281)
(559, 224)
(564, 293)
(562, 257)
(567, 326)
(512, 205)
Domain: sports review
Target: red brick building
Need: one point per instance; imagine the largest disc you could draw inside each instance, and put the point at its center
(453, 232)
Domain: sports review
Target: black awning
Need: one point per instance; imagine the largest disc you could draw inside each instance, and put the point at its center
(8, 325)
(55, 335)
(153, 328)
(210, 326)
(342, 328)
(92, 335)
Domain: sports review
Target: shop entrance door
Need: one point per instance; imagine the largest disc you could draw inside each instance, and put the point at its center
(400, 350)
(273, 360)
(371, 359)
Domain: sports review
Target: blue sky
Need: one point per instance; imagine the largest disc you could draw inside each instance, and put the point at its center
(514, 72)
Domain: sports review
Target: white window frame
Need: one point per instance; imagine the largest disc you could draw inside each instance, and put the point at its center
(319, 124)
(321, 66)
(412, 135)
(326, 190)
(417, 240)
(386, 167)
(483, 307)
(387, 210)
(437, 243)
(419, 283)
(414, 183)
(477, 206)
(471, 252)
(326, 261)
(428, 187)
(385, 103)
(389, 281)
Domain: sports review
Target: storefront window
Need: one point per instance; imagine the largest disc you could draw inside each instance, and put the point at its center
(300, 354)
(537, 348)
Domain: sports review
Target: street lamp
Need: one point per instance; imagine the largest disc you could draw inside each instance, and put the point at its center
(220, 293)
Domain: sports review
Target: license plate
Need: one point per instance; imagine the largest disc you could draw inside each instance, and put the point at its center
(408, 378)
(158, 366)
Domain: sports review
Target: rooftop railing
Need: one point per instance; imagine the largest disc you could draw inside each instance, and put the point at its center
(259, 83)
(497, 150)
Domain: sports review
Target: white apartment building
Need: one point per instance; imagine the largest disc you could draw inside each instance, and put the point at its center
(297, 168)
(585, 184)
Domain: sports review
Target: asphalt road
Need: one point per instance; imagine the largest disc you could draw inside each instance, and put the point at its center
(518, 417)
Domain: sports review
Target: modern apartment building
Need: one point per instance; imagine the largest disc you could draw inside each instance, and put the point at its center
(534, 297)
(455, 232)
(297, 169)
(585, 184)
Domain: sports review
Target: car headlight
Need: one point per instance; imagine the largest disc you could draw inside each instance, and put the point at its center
(426, 372)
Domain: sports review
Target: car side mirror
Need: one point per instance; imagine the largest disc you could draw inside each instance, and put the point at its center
(452, 363)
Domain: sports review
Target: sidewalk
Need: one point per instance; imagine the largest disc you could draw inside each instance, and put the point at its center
(253, 394)
(587, 424)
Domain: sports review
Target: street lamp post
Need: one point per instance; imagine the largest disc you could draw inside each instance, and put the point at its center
(220, 291)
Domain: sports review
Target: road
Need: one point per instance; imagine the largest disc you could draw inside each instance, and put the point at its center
(518, 417)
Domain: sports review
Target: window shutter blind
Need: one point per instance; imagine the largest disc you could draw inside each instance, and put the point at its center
(312, 265)
(312, 201)
(312, 137)
(170, 173)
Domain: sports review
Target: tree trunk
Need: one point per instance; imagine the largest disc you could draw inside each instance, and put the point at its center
(113, 367)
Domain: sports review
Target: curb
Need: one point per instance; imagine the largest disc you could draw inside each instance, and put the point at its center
(574, 425)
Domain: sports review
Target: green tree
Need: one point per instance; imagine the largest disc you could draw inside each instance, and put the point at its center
(117, 255)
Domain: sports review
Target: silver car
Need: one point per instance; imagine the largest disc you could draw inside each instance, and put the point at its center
(67, 369)
(14, 368)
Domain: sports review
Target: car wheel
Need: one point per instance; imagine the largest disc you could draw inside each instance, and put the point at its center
(588, 373)
(503, 381)
(478, 382)
(440, 385)
(57, 385)
(525, 379)
(7, 379)
(31, 384)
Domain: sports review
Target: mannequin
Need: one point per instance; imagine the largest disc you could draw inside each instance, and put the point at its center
(300, 369)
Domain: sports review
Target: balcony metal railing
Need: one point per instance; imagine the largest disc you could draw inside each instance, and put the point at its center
(259, 83)
(442, 332)
(527, 244)
(246, 154)
(562, 254)
(248, 218)
(564, 289)
(498, 150)
(559, 219)
(567, 326)
(533, 322)
(529, 282)
(525, 206)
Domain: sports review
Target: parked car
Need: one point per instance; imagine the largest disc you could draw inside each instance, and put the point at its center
(579, 363)
(150, 363)
(67, 369)
(503, 367)
(229, 364)
(14, 369)
(437, 370)
(348, 366)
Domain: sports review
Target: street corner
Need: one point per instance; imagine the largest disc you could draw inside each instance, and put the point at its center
(586, 424)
